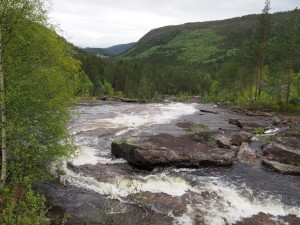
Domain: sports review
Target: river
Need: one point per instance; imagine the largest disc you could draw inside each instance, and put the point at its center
(211, 195)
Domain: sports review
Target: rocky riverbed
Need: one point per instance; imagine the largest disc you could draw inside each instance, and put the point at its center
(176, 163)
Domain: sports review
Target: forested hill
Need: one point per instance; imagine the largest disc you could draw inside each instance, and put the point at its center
(199, 43)
(110, 51)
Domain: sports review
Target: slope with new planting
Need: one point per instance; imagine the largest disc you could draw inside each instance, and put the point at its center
(198, 44)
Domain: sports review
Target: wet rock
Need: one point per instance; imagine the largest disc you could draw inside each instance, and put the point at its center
(129, 100)
(281, 153)
(168, 150)
(208, 111)
(276, 121)
(88, 207)
(259, 219)
(291, 132)
(103, 98)
(240, 137)
(250, 113)
(163, 202)
(246, 154)
(237, 122)
(282, 168)
(234, 148)
(267, 114)
(224, 142)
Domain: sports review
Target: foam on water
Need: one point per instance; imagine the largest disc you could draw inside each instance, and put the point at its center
(220, 202)
(88, 155)
(212, 199)
(271, 131)
(135, 117)
(121, 186)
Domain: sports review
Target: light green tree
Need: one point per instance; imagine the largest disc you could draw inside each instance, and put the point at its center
(11, 12)
(39, 78)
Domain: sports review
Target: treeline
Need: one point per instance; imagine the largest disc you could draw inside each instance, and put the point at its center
(266, 68)
(144, 81)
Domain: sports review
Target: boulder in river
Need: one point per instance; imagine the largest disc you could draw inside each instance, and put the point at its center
(281, 153)
(282, 168)
(168, 150)
(240, 137)
(246, 154)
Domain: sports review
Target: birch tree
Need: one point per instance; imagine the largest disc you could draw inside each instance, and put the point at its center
(39, 76)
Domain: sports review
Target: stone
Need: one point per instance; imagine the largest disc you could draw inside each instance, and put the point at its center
(281, 153)
(224, 142)
(246, 154)
(237, 122)
(168, 150)
(282, 168)
(208, 111)
(276, 121)
(240, 137)
(234, 148)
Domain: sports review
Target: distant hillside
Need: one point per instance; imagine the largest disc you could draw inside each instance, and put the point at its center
(101, 52)
(110, 51)
(197, 44)
(118, 49)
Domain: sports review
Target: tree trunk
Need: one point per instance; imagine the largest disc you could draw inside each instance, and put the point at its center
(289, 80)
(3, 119)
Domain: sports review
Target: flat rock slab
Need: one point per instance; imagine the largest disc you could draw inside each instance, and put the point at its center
(282, 168)
(281, 153)
(168, 150)
(265, 219)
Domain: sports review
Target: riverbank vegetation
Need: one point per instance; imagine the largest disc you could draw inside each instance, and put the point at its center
(39, 76)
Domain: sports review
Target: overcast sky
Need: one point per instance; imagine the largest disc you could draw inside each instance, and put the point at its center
(103, 23)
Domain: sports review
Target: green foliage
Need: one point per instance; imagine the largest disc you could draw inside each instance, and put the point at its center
(188, 47)
(198, 127)
(19, 206)
(259, 130)
(182, 96)
(86, 87)
(42, 78)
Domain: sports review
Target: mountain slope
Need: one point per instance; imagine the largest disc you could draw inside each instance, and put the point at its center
(197, 44)
(118, 49)
(110, 51)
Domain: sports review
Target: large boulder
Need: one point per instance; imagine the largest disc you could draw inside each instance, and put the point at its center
(281, 153)
(282, 168)
(240, 137)
(168, 150)
(246, 154)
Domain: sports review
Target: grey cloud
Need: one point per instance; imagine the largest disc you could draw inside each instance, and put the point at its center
(102, 23)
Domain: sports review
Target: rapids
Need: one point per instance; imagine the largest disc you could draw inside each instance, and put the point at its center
(209, 195)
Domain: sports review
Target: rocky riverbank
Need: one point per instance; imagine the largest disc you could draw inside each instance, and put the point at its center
(279, 144)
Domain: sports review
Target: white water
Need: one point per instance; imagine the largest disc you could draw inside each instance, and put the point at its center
(213, 199)
(128, 118)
